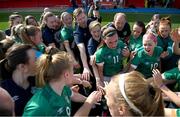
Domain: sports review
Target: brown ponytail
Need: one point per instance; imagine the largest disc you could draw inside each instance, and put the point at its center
(28, 31)
(157, 103)
(16, 55)
(145, 97)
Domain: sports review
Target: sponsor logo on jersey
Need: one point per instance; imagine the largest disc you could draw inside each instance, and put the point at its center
(15, 98)
(67, 99)
(147, 63)
(62, 109)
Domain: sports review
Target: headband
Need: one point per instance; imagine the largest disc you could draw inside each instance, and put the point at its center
(151, 36)
(108, 32)
(122, 90)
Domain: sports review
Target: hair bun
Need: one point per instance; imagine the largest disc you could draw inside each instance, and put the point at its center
(166, 18)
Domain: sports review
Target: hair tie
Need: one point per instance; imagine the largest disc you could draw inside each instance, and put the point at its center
(49, 54)
(49, 57)
(7, 66)
(122, 90)
(152, 91)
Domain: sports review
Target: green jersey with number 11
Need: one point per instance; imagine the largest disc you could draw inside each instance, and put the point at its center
(111, 59)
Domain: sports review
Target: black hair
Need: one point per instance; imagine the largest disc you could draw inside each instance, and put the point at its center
(142, 25)
(16, 55)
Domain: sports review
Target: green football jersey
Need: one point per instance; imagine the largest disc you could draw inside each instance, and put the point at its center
(47, 103)
(178, 112)
(165, 44)
(173, 74)
(111, 58)
(41, 47)
(67, 34)
(145, 63)
(135, 44)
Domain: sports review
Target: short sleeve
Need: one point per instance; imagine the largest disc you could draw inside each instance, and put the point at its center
(169, 48)
(32, 109)
(178, 112)
(158, 50)
(99, 56)
(171, 74)
(64, 35)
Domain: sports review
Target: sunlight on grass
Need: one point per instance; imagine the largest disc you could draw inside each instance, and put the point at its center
(106, 17)
(3, 25)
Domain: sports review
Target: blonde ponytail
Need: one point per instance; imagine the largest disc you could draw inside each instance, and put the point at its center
(42, 68)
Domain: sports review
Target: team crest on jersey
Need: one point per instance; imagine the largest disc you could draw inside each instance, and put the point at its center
(147, 63)
(109, 57)
(125, 33)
